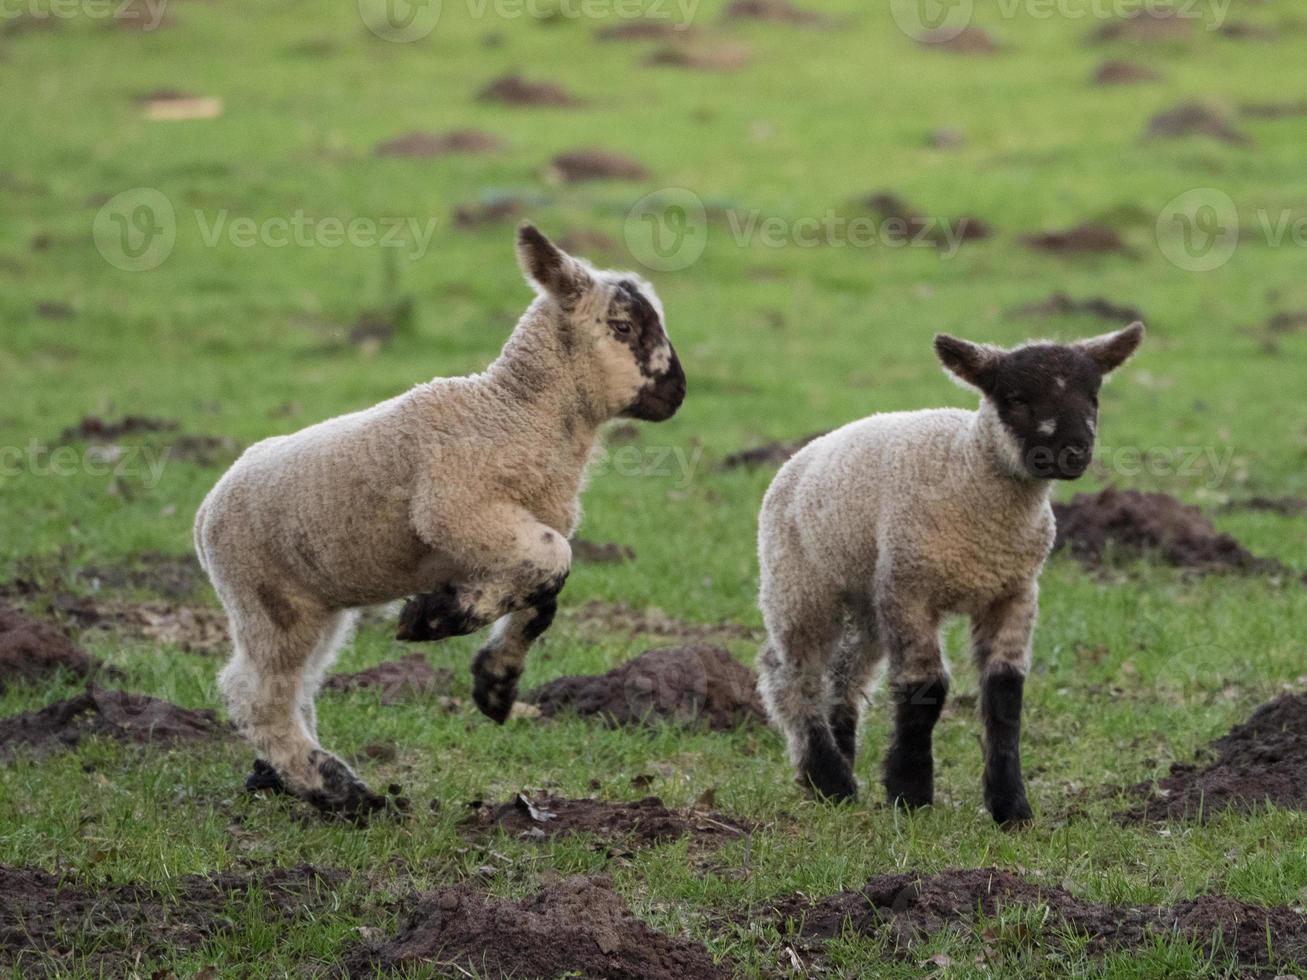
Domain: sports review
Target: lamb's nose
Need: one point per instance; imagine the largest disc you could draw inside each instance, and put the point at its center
(1077, 452)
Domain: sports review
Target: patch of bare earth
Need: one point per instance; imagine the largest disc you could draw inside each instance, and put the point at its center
(969, 40)
(516, 90)
(92, 428)
(1083, 239)
(601, 553)
(725, 57)
(31, 650)
(1274, 110)
(645, 30)
(120, 715)
(1060, 304)
(588, 241)
(639, 824)
(194, 629)
(768, 454)
(395, 680)
(910, 908)
(1262, 760)
(201, 449)
(1284, 506)
(170, 576)
(491, 212)
(1244, 30)
(48, 922)
(578, 926)
(1150, 524)
(1195, 119)
(689, 685)
(1151, 24)
(1124, 73)
(598, 617)
(577, 166)
(910, 225)
(425, 146)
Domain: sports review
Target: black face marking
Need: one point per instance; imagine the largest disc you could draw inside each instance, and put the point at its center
(909, 774)
(824, 769)
(1000, 706)
(634, 321)
(1047, 398)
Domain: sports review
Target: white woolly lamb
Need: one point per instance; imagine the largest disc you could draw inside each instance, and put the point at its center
(463, 489)
(872, 534)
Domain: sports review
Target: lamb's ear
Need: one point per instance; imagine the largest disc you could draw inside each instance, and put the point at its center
(1111, 350)
(549, 267)
(968, 362)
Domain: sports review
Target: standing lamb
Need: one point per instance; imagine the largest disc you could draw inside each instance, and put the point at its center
(872, 534)
(463, 489)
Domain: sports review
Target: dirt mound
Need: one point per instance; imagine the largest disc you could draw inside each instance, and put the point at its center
(1264, 759)
(683, 684)
(588, 241)
(776, 11)
(1151, 524)
(910, 908)
(1284, 506)
(594, 164)
(395, 680)
(718, 57)
(1060, 304)
(1243, 30)
(642, 823)
(597, 553)
(489, 212)
(1151, 24)
(119, 715)
(1124, 73)
(516, 90)
(31, 649)
(1194, 119)
(599, 617)
(768, 454)
(92, 428)
(1274, 110)
(171, 576)
(576, 926)
(194, 629)
(424, 146)
(969, 40)
(645, 30)
(1083, 239)
(919, 227)
(48, 923)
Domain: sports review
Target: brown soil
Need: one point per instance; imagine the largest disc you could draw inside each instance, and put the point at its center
(588, 241)
(92, 428)
(54, 310)
(1148, 25)
(516, 90)
(1274, 110)
(1242, 30)
(1194, 119)
(1284, 506)
(776, 11)
(946, 138)
(687, 684)
(909, 908)
(1084, 239)
(424, 146)
(599, 617)
(577, 926)
(643, 823)
(594, 164)
(1262, 760)
(489, 212)
(767, 454)
(395, 680)
(717, 58)
(113, 714)
(595, 553)
(1287, 321)
(1152, 524)
(970, 40)
(170, 576)
(31, 650)
(645, 30)
(1124, 73)
(1060, 304)
(194, 629)
(47, 922)
(917, 225)
(203, 450)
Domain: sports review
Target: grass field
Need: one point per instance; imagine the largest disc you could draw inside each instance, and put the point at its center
(244, 336)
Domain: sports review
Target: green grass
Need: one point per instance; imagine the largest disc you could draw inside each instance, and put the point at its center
(777, 342)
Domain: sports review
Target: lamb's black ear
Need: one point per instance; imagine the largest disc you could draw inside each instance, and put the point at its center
(549, 267)
(971, 363)
(1111, 350)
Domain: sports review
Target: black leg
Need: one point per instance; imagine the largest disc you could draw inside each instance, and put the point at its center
(1000, 705)
(910, 764)
(434, 616)
(824, 769)
(499, 664)
(844, 728)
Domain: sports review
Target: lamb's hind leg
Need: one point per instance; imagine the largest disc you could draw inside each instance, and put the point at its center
(856, 659)
(264, 687)
(918, 687)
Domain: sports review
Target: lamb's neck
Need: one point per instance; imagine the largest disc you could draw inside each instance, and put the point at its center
(993, 454)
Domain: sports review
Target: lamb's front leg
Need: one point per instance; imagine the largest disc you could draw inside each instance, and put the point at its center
(918, 685)
(499, 663)
(1001, 637)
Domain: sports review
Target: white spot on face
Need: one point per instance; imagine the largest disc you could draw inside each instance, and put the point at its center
(1093, 426)
(661, 359)
(1061, 382)
(1047, 427)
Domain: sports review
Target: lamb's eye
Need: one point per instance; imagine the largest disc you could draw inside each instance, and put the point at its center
(1015, 401)
(620, 327)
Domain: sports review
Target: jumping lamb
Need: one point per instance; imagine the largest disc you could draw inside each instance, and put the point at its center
(872, 534)
(464, 491)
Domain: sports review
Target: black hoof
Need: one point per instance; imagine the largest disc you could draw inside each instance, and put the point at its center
(342, 794)
(264, 779)
(825, 771)
(433, 616)
(494, 694)
(911, 790)
(1011, 812)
